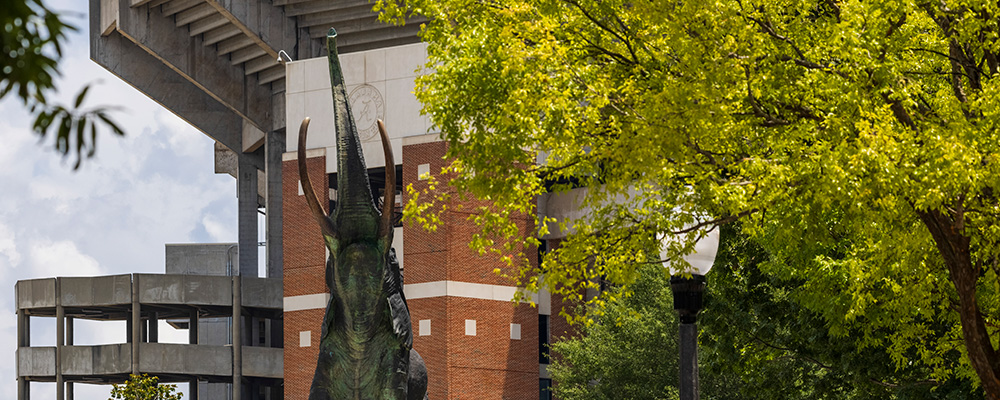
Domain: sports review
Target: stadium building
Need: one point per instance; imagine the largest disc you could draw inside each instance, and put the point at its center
(242, 72)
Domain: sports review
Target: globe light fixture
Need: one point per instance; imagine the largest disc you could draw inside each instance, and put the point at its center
(688, 287)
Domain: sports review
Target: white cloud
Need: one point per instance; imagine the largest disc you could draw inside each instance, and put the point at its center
(218, 231)
(61, 258)
(7, 247)
(184, 138)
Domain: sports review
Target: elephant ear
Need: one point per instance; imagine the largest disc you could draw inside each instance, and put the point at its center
(401, 324)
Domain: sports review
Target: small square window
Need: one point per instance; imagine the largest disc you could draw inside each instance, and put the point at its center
(423, 172)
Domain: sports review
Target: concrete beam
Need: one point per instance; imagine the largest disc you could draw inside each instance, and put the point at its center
(261, 21)
(145, 49)
(149, 29)
(253, 138)
(164, 85)
(225, 160)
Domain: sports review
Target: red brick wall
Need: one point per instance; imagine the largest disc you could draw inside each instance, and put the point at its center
(487, 366)
(434, 347)
(304, 269)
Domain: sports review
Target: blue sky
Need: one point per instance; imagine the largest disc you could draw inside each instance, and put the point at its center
(114, 215)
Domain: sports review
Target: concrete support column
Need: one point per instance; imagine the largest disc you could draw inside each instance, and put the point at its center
(254, 331)
(154, 328)
(237, 339)
(23, 340)
(246, 193)
(193, 327)
(69, 342)
(193, 339)
(273, 149)
(136, 324)
(60, 340)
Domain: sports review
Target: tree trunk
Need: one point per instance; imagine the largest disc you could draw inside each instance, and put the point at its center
(954, 248)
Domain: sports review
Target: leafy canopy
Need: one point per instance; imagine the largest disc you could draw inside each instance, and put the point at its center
(857, 141)
(144, 387)
(32, 38)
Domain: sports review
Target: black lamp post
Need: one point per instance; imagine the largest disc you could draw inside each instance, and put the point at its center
(688, 294)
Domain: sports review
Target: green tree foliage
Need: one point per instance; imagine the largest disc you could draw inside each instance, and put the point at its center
(32, 47)
(756, 342)
(630, 350)
(857, 142)
(144, 387)
(755, 329)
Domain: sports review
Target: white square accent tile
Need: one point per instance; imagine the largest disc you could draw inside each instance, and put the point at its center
(423, 171)
(470, 327)
(424, 327)
(305, 338)
(515, 331)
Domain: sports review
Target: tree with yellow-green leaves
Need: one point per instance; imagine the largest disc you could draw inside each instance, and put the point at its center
(144, 387)
(857, 142)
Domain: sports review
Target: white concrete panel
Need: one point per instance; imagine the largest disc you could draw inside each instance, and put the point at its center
(515, 331)
(464, 289)
(306, 302)
(367, 106)
(404, 61)
(294, 79)
(353, 65)
(375, 65)
(331, 162)
(294, 112)
(318, 105)
(470, 290)
(316, 72)
(305, 338)
(470, 327)
(544, 302)
(294, 154)
(426, 290)
(424, 327)
(375, 156)
(504, 293)
(403, 109)
(428, 138)
(301, 193)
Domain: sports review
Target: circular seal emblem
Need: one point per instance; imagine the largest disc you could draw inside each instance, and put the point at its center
(368, 107)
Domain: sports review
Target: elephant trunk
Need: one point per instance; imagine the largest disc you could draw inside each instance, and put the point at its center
(355, 214)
